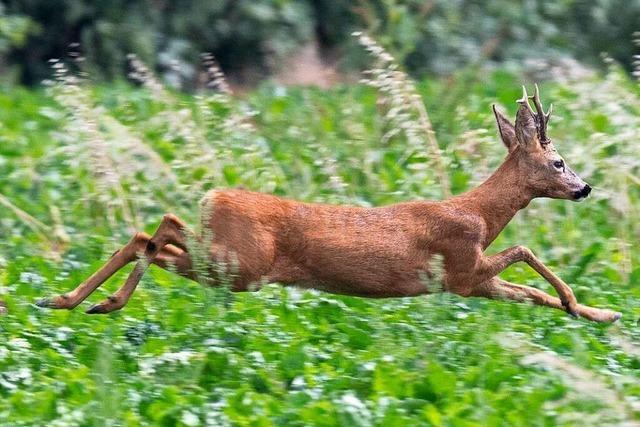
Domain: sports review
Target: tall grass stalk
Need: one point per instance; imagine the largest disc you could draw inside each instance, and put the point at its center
(406, 112)
(89, 149)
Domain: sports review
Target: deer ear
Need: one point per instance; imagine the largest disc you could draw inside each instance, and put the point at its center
(526, 130)
(506, 129)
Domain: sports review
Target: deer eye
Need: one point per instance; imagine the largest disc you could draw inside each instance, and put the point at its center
(558, 164)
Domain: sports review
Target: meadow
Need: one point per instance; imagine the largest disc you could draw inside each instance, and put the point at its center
(83, 166)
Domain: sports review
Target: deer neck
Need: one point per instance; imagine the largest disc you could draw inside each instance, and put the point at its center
(498, 199)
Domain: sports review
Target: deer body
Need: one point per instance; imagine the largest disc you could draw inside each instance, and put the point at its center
(369, 252)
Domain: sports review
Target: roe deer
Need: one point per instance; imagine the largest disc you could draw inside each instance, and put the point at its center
(370, 252)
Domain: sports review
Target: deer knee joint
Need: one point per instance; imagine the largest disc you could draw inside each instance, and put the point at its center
(524, 253)
(140, 237)
(137, 244)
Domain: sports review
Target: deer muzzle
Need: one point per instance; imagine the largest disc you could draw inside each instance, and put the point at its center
(582, 194)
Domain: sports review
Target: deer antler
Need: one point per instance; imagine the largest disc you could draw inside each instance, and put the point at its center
(541, 118)
(544, 117)
(524, 101)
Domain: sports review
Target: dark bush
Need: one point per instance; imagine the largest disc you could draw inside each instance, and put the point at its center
(251, 37)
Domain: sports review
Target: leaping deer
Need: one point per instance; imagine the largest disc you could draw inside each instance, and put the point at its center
(369, 252)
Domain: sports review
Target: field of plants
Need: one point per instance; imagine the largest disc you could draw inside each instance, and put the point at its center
(83, 166)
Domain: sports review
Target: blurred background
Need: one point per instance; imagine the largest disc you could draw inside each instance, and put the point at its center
(256, 39)
(113, 113)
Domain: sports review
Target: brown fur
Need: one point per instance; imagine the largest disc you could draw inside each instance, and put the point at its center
(370, 252)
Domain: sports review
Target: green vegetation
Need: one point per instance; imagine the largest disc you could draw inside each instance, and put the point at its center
(82, 167)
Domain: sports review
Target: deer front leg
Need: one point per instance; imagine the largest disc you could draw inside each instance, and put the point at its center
(493, 265)
(497, 288)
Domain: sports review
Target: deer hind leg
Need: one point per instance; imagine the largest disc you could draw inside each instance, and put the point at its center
(138, 244)
(166, 248)
(497, 288)
(171, 230)
(119, 259)
(170, 258)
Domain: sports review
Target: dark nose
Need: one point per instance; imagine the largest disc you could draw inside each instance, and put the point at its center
(577, 195)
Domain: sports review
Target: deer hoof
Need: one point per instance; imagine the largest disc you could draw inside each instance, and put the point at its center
(609, 316)
(599, 315)
(45, 303)
(104, 307)
(96, 309)
(59, 302)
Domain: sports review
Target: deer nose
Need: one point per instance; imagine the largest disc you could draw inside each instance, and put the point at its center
(581, 194)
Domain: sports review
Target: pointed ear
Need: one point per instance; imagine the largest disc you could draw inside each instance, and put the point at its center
(526, 130)
(506, 129)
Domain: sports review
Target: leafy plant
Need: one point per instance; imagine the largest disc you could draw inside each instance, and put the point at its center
(182, 354)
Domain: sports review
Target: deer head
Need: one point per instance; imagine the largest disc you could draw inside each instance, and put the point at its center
(540, 167)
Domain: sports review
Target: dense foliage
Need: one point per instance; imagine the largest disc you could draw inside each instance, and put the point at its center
(251, 37)
(82, 167)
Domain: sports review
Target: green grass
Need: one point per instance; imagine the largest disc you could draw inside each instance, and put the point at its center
(181, 354)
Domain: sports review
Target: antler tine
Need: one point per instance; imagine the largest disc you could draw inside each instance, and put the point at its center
(524, 101)
(548, 115)
(538, 104)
